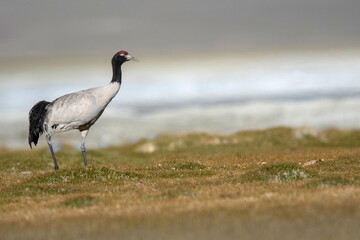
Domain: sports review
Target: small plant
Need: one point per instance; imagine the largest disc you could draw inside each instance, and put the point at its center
(278, 172)
(84, 175)
(81, 201)
(336, 181)
(189, 166)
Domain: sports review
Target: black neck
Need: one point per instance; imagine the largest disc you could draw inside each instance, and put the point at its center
(116, 72)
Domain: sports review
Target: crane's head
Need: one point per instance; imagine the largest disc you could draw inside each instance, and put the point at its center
(121, 57)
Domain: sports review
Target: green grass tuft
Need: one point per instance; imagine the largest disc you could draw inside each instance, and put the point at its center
(176, 173)
(14, 192)
(81, 201)
(279, 172)
(334, 181)
(84, 175)
(189, 166)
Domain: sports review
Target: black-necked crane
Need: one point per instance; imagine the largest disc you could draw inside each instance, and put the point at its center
(78, 110)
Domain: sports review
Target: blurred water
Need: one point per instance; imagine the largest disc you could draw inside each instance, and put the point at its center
(211, 94)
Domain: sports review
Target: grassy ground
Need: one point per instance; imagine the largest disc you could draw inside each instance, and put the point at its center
(274, 184)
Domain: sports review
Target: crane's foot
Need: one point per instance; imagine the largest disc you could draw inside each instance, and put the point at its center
(56, 167)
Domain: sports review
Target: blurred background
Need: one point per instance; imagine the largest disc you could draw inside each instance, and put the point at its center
(206, 66)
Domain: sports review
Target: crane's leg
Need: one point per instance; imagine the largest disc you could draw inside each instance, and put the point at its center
(82, 147)
(48, 139)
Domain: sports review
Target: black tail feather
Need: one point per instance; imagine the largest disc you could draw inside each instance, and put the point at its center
(36, 121)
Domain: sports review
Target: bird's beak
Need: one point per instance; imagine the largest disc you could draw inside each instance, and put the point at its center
(131, 58)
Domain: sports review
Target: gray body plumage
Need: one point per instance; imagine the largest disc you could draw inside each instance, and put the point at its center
(78, 110)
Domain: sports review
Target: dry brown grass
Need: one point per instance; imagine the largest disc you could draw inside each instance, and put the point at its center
(250, 185)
